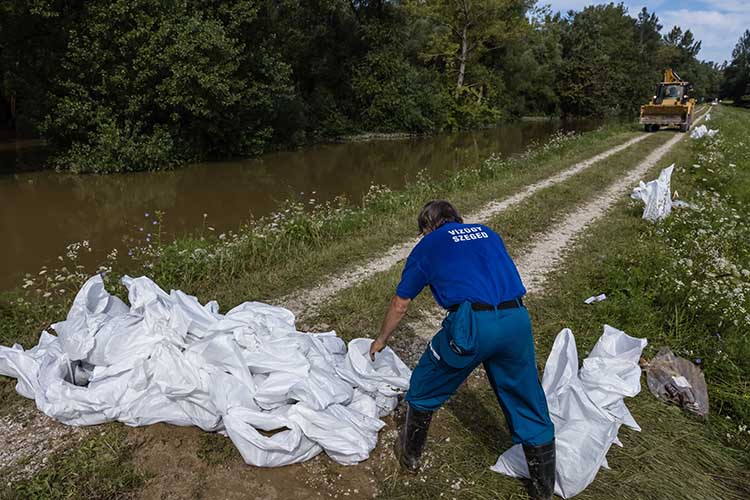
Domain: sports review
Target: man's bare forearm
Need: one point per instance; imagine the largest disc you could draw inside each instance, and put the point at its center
(396, 312)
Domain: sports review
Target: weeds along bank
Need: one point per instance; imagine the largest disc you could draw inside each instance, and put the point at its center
(294, 248)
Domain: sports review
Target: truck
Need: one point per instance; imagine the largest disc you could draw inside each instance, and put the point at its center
(672, 104)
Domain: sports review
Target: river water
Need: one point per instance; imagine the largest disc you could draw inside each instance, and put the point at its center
(44, 211)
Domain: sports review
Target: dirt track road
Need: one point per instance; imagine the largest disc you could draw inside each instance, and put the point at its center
(305, 303)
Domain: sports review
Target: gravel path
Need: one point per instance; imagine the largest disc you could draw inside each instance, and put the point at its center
(306, 302)
(29, 437)
(545, 253)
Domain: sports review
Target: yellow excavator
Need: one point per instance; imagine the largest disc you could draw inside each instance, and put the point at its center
(672, 105)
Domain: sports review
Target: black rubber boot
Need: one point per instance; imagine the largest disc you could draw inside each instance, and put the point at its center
(412, 438)
(541, 461)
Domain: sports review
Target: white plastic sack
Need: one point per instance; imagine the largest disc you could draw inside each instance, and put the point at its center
(585, 405)
(595, 298)
(702, 131)
(656, 195)
(168, 358)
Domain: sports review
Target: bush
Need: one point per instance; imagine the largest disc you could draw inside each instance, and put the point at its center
(165, 84)
(396, 96)
(114, 148)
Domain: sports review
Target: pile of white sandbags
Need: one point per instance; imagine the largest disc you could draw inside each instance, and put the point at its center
(282, 396)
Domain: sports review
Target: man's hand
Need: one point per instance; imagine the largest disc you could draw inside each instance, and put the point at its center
(377, 345)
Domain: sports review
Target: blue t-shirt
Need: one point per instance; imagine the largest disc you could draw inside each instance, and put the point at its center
(461, 262)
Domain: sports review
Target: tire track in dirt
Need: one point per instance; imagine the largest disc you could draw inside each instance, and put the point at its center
(545, 253)
(307, 302)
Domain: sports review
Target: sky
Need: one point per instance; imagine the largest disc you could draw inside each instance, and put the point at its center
(718, 23)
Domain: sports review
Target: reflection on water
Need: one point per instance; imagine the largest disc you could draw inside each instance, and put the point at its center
(44, 211)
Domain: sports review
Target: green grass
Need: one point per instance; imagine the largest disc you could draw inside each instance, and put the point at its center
(675, 457)
(99, 468)
(305, 247)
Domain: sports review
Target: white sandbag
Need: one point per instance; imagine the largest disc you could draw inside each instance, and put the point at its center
(702, 131)
(585, 405)
(169, 358)
(595, 298)
(346, 434)
(289, 446)
(656, 195)
(383, 379)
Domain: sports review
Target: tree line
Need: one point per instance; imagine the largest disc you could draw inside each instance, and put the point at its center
(121, 85)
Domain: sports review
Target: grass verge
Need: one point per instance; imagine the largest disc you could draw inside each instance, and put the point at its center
(98, 468)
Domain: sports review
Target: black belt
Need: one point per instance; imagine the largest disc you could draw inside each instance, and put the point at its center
(479, 306)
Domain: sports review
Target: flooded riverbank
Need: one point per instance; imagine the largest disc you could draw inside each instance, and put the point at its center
(44, 211)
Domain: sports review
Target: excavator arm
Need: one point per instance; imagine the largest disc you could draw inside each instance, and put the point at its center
(670, 76)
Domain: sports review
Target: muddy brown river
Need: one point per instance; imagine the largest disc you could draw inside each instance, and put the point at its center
(41, 212)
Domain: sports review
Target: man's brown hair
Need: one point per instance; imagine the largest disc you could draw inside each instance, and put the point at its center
(435, 213)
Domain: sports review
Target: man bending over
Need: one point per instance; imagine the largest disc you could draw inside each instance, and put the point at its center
(472, 276)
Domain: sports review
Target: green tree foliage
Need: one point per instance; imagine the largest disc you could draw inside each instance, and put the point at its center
(32, 42)
(163, 83)
(132, 85)
(529, 67)
(736, 85)
(463, 38)
(610, 61)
